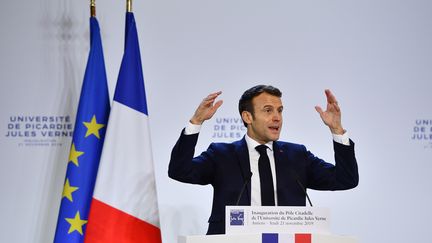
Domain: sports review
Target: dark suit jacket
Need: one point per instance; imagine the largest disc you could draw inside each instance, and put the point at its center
(226, 167)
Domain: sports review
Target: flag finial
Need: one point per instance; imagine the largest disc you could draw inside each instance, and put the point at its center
(128, 6)
(93, 8)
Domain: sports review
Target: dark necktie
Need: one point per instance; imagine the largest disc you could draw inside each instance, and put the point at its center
(266, 178)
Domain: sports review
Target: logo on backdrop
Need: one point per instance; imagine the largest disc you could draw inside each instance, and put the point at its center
(228, 128)
(237, 217)
(422, 131)
(38, 130)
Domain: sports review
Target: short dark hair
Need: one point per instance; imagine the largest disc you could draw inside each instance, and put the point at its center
(245, 102)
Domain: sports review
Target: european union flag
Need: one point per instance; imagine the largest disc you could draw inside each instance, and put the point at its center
(90, 126)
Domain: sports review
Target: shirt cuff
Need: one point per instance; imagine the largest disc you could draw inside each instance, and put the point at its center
(192, 129)
(342, 139)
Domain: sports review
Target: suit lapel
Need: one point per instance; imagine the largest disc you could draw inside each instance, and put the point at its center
(242, 154)
(277, 152)
(278, 157)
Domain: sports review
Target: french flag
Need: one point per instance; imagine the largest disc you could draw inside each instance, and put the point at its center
(124, 205)
(286, 238)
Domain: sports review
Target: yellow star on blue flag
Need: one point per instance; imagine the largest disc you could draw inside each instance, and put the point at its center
(68, 189)
(76, 224)
(93, 127)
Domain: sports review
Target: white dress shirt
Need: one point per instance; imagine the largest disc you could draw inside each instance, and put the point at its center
(255, 180)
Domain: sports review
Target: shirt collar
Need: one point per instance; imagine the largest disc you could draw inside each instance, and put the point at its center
(251, 143)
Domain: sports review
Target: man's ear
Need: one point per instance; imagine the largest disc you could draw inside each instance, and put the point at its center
(247, 117)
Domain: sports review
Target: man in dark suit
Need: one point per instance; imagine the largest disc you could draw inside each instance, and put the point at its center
(275, 172)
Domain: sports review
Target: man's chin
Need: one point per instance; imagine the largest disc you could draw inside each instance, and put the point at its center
(274, 138)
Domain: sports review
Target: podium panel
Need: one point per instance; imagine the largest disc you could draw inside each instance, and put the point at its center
(251, 224)
(267, 238)
(279, 219)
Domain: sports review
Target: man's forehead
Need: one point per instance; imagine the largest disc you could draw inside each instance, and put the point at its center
(272, 105)
(266, 99)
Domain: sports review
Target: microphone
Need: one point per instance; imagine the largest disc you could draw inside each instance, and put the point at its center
(297, 178)
(248, 178)
(304, 190)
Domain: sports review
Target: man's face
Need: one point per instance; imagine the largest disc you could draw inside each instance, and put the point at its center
(266, 123)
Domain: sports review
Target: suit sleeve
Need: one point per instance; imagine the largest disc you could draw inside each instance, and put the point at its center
(341, 176)
(184, 167)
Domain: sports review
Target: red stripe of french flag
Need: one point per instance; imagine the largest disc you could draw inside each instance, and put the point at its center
(303, 238)
(116, 226)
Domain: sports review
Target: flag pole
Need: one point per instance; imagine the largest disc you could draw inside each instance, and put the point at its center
(93, 8)
(128, 6)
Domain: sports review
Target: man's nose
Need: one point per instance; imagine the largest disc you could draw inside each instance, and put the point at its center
(277, 116)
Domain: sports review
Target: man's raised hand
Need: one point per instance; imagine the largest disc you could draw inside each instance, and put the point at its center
(332, 115)
(206, 109)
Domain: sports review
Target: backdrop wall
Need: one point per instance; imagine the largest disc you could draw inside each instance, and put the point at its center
(376, 56)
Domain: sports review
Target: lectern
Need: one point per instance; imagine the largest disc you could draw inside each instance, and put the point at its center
(257, 224)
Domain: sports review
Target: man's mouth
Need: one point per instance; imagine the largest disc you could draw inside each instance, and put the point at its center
(274, 128)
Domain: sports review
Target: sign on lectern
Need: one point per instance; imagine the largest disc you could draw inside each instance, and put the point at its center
(264, 219)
